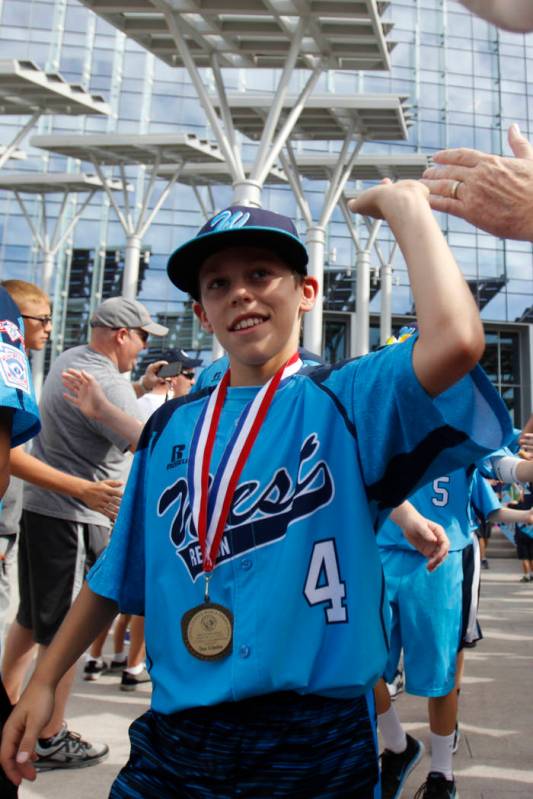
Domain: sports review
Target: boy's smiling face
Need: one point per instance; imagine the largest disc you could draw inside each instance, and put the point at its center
(252, 301)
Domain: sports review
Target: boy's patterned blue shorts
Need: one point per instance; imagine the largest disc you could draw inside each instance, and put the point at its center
(278, 745)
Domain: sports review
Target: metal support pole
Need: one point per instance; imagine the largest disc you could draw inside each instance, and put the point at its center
(247, 192)
(10, 148)
(131, 267)
(385, 330)
(362, 301)
(385, 322)
(315, 242)
(37, 360)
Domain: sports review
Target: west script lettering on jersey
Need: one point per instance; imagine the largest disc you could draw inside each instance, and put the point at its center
(258, 516)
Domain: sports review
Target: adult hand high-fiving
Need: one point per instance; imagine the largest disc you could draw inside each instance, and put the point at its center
(492, 192)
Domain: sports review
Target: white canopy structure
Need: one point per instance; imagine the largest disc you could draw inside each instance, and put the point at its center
(203, 178)
(121, 150)
(46, 237)
(312, 35)
(27, 90)
(367, 168)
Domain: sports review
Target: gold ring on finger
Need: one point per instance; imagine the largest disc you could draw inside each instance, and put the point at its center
(455, 189)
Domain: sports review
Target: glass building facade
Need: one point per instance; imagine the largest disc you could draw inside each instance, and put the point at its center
(466, 82)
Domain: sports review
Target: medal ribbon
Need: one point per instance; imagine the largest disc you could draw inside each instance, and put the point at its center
(210, 508)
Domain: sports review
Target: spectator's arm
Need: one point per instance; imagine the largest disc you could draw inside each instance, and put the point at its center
(511, 516)
(512, 15)
(149, 380)
(102, 496)
(6, 417)
(451, 337)
(84, 392)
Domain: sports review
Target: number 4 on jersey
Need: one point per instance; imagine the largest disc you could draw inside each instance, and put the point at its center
(324, 584)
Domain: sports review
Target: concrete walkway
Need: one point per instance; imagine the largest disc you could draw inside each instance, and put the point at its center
(495, 757)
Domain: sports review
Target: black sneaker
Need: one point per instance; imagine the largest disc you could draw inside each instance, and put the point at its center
(67, 750)
(130, 681)
(456, 739)
(485, 564)
(94, 669)
(117, 666)
(437, 787)
(395, 768)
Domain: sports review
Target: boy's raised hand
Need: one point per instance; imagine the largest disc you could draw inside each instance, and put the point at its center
(375, 202)
(21, 731)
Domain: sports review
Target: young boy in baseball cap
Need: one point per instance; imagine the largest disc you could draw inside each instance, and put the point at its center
(252, 555)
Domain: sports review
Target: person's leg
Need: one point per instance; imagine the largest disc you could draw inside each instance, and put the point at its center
(18, 655)
(7, 549)
(401, 752)
(20, 647)
(137, 651)
(436, 603)
(95, 665)
(135, 673)
(119, 636)
(442, 719)
(61, 698)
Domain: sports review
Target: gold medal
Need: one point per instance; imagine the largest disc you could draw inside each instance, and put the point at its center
(207, 631)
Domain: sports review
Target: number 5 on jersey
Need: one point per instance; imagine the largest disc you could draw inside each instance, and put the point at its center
(324, 585)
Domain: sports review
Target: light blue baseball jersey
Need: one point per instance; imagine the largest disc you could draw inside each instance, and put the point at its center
(445, 501)
(16, 387)
(457, 501)
(213, 373)
(298, 565)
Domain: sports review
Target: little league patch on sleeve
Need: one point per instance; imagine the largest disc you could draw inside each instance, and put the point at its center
(11, 329)
(14, 367)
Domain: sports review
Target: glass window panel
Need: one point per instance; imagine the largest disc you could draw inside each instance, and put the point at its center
(76, 18)
(430, 21)
(17, 13)
(459, 62)
(461, 99)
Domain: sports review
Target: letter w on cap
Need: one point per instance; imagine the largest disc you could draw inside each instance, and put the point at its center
(226, 220)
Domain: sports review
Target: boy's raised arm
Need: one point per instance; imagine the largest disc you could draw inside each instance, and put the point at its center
(451, 334)
(88, 616)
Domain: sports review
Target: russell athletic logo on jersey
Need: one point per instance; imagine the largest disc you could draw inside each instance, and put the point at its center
(260, 513)
(176, 457)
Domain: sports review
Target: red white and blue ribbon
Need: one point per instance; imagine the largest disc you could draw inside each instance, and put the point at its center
(210, 505)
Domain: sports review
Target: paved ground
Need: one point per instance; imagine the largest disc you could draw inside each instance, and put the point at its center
(495, 757)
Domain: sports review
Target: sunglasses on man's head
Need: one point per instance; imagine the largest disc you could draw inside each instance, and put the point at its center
(187, 374)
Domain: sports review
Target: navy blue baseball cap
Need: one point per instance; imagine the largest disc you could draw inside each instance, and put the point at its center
(237, 226)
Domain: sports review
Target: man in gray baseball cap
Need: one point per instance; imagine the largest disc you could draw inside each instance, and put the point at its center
(117, 312)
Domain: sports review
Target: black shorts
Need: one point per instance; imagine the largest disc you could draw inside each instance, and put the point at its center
(484, 530)
(470, 629)
(524, 545)
(54, 556)
(278, 745)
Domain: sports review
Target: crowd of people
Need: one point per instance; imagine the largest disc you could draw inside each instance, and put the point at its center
(274, 545)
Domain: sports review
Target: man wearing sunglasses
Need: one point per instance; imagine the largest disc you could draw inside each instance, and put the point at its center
(60, 536)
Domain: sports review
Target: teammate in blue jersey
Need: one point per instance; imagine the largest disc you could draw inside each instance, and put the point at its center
(19, 421)
(434, 614)
(247, 532)
(17, 398)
